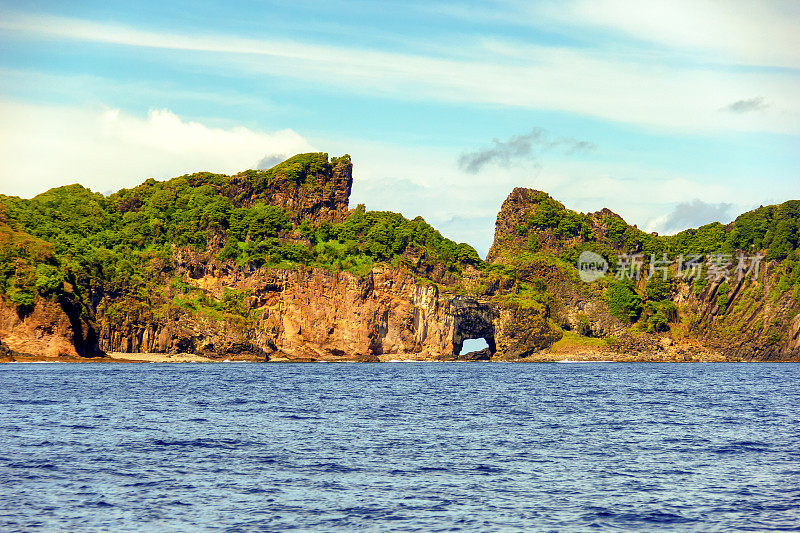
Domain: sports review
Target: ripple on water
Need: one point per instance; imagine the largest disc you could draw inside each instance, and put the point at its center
(411, 447)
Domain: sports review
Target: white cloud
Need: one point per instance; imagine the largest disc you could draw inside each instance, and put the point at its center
(693, 214)
(427, 181)
(624, 88)
(106, 149)
(739, 31)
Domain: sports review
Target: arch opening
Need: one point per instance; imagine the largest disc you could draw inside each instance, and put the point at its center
(473, 323)
(473, 345)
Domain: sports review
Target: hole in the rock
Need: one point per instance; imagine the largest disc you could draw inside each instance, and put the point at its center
(473, 345)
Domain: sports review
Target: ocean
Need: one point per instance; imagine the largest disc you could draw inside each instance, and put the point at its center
(403, 446)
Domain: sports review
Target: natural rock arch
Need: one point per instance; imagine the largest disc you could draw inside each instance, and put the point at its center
(472, 319)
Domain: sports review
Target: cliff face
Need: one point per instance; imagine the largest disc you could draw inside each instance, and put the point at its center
(312, 314)
(299, 283)
(735, 318)
(296, 314)
(307, 186)
(757, 321)
(201, 301)
(48, 329)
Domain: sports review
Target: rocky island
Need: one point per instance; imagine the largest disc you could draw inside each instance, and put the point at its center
(275, 265)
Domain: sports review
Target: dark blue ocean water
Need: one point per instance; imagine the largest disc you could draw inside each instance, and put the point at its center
(409, 447)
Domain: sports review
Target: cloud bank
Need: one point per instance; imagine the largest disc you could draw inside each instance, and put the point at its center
(106, 149)
(694, 214)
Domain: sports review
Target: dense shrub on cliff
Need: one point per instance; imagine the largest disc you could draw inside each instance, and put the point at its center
(300, 170)
(124, 243)
(623, 300)
(533, 221)
(384, 235)
(27, 264)
(773, 229)
(544, 223)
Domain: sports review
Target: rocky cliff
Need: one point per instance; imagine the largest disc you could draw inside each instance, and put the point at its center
(310, 280)
(273, 265)
(309, 187)
(725, 316)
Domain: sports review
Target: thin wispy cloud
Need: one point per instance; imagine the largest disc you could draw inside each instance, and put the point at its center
(520, 148)
(743, 32)
(545, 78)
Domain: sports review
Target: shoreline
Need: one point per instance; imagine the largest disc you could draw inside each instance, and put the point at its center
(559, 356)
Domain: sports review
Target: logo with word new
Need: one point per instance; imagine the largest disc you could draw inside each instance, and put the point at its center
(591, 266)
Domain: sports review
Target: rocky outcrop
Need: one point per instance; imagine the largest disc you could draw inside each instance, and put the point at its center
(525, 300)
(311, 314)
(307, 186)
(755, 320)
(49, 329)
(523, 332)
(736, 318)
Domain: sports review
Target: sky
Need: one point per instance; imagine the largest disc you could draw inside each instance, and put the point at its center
(671, 113)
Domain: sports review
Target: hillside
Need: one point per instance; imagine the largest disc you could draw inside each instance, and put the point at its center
(134, 270)
(751, 312)
(275, 265)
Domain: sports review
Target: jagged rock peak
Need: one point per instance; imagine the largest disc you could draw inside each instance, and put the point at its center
(606, 212)
(533, 221)
(512, 215)
(306, 185)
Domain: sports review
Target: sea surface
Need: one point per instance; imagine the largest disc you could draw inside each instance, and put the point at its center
(406, 447)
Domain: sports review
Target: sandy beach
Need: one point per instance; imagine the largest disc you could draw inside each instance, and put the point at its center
(160, 358)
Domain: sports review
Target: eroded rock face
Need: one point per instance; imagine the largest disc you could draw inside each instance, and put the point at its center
(522, 332)
(513, 228)
(732, 319)
(301, 313)
(324, 192)
(473, 318)
(306, 314)
(312, 314)
(758, 322)
(49, 329)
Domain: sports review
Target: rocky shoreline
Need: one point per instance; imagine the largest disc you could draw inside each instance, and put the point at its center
(409, 301)
(553, 355)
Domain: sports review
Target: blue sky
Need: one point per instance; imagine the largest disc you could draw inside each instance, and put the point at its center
(670, 113)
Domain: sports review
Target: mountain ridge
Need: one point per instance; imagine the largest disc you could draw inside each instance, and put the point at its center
(275, 265)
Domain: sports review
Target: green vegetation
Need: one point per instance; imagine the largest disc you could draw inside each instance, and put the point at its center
(623, 301)
(528, 295)
(570, 339)
(774, 230)
(70, 238)
(657, 315)
(722, 297)
(300, 170)
(72, 243)
(658, 288)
